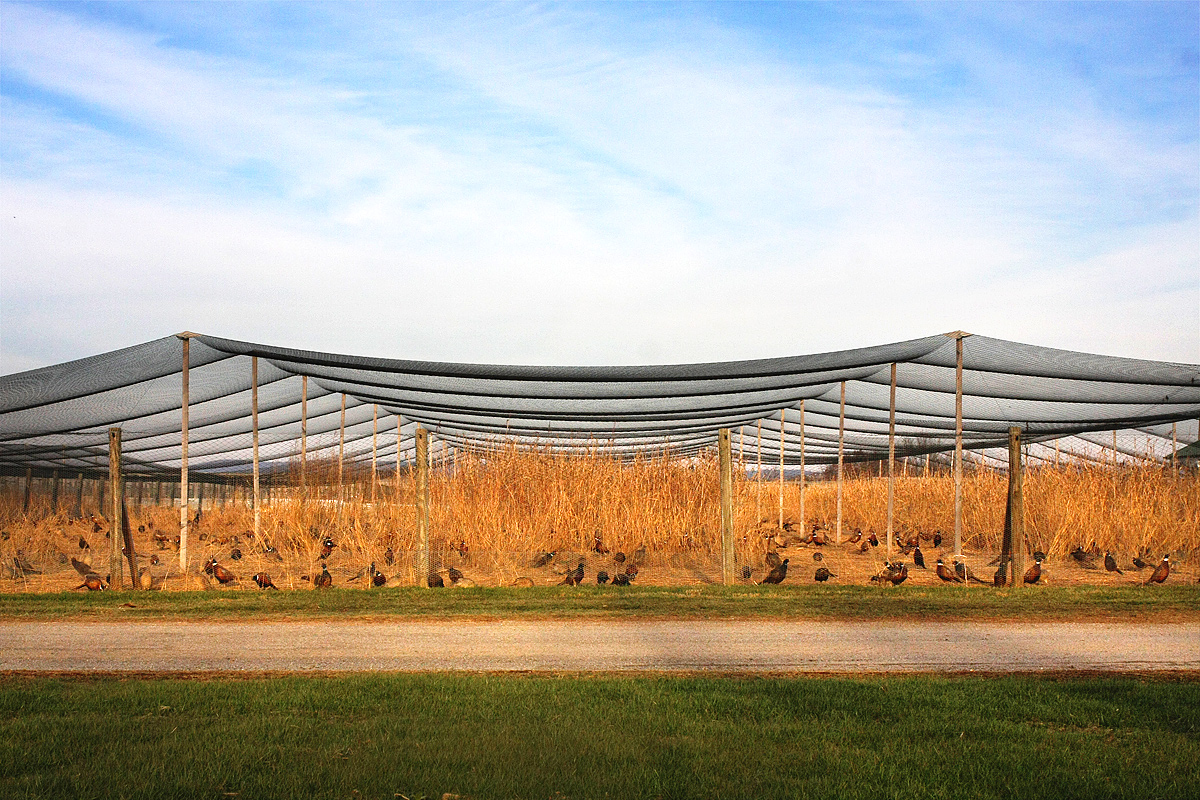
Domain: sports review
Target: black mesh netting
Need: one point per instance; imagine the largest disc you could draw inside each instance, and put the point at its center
(56, 418)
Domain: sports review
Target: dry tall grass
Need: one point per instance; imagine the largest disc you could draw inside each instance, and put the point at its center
(509, 503)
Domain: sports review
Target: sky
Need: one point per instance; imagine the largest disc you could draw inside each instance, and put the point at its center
(598, 184)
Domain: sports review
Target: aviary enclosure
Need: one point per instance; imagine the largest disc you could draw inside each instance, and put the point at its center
(293, 461)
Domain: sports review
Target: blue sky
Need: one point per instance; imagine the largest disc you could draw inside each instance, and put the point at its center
(612, 183)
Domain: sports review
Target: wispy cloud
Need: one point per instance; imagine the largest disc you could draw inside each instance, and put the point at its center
(585, 183)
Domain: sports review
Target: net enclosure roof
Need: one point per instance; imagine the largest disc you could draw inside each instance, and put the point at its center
(57, 417)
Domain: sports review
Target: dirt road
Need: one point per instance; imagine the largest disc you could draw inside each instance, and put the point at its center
(592, 645)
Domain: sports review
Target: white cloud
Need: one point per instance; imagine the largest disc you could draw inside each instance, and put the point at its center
(596, 198)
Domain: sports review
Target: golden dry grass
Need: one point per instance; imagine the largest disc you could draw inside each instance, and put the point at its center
(509, 504)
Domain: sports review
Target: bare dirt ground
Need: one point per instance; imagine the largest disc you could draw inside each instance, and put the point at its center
(488, 568)
(549, 645)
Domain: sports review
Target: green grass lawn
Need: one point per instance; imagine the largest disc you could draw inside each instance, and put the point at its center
(486, 736)
(645, 602)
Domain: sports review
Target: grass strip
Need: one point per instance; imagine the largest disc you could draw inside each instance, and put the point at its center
(1162, 603)
(488, 736)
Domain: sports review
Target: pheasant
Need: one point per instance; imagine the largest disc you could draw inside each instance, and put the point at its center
(817, 556)
(1161, 571)
(83, 544)
(1034, 573)
(946, 574)
(1001, 576)
(773, 559)
(544, 559)
(435, 581)
(264, 581)
(323, 580)
(874, 540)
(92, 582)
(898, 576)
(639, 555)
(379, 579)
(389, 557)
(327, 547)
(1110, 563)
(823, 574)
(222, 575)
(778, 574)
(919, 558)
(454, 574)
(598, 545)
(601, 578)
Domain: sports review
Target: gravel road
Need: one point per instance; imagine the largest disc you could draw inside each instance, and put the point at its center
(592, 645)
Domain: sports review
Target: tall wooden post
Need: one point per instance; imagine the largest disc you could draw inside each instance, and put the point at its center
(958, 430)
(758, 478)
(303, 435)
(1174, 443)
(1016, 508)
(801, 467)
(77, 512)
(399, 458)
(742, 449)
(116, 581)
(184, 516)
(54, 492)
(374, 449)
(1057, 452)
(254, 424)
(341, 450)
(891, 459)
(841, 449)
(1114, 448)
(782, 420)
(422, 502)
(725, 459)
(28, 493)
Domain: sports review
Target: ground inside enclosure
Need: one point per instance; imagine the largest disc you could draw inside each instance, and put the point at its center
(50, 568)
(531, 521)
(599, 736)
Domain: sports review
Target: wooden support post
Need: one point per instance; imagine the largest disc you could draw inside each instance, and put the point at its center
(254, 424)
(841, 449)
(77, 512)
(725, 460)
(422, 502)
(958, 430)
(758, 479)
(303, 434)
(399, 458)
(1174, 443)
(374, 449)
(101, 486)
(115, 581)
(891, 460)
(1114, 449)
(54, 492)
(1057, 453)
(1016, 509)
(801, 467)
(341, 450)
(782, 421)
(183, 462)
(28, 490)
(742, 450)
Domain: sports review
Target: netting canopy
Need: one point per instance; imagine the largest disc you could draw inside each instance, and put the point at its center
(57, 418)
